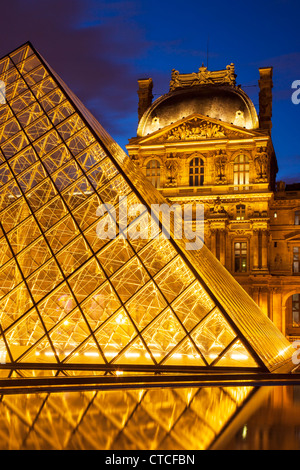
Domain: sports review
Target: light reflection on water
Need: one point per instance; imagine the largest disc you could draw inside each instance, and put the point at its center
(153, 419)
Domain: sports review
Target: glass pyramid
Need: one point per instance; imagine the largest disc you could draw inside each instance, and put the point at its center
(68, 296)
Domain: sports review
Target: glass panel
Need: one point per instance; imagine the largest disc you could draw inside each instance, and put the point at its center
(86, 280)
(128, 280)
(236, 356)
(115, 334)
(69, 334)
(146, 305)
(100, 305)
(62, 233)
(163, 335)
(174, 279)
(192, 306)
(56, 306)
(33, 257)
(213, 335)
(24, 334)
(185, 355)
(14, 305)
(115, 255)
(73, 255)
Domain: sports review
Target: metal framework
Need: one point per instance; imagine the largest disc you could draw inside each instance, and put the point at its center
(68, 297)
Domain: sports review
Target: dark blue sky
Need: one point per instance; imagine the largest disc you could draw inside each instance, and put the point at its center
(101, 47)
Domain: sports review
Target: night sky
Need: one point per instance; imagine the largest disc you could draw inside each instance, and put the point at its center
(101, 48)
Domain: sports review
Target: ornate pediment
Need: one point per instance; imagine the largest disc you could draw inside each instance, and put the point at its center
(196, 127)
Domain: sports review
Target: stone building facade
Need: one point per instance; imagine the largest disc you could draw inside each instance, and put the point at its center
(203, 142)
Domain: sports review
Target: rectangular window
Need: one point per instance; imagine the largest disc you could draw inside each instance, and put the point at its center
(297, 217)
(296, 310)
(240, 257)
(296, 259)
(240, 212)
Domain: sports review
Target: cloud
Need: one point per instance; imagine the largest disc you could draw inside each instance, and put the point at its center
(92, 45)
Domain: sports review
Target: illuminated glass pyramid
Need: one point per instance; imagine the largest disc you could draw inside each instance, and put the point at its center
(69, 297)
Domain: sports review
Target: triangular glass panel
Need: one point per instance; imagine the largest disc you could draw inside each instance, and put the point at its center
(185, 355)
(237, 355)
(213, 335)
(135, 354)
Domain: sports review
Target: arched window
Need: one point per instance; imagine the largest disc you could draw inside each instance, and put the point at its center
(241, 170)
(240, 212)
(153, 172)
(196, 174)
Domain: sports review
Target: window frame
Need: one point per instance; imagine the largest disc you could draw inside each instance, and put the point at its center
(240, 172)
(240, 212)
(155, 176)
(240, 257)
(196, 178)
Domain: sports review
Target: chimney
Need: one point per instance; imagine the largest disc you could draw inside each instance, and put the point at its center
(265, 97)
(145, 95)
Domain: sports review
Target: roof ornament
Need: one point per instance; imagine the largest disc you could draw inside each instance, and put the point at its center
(203, 77)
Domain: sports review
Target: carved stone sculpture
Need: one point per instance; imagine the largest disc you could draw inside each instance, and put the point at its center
(220, 164)
(261, 164)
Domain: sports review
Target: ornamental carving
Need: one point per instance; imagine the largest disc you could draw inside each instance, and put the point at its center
(203, 77)
(261, 163)
(195, 129)
(172, 167)
(220, 161)
(218, 208)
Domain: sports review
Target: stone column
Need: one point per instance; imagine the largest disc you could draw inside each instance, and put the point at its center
(222, 247)
(213, 242)
(255, 250)
(264, 250)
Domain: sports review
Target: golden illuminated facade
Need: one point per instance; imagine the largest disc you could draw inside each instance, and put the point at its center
(204, 143)
(71, 301)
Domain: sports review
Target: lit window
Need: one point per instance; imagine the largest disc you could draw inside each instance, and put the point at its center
(241, 170)
(196, 172)
(296, 259)
(296, 310)
(153, 172)
(240, 257)
(297, 217)
(240, 212)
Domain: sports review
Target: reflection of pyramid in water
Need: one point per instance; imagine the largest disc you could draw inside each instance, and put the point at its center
(159, 419)
(68, 297)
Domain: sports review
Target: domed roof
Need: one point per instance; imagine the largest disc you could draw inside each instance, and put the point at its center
(227, 103)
